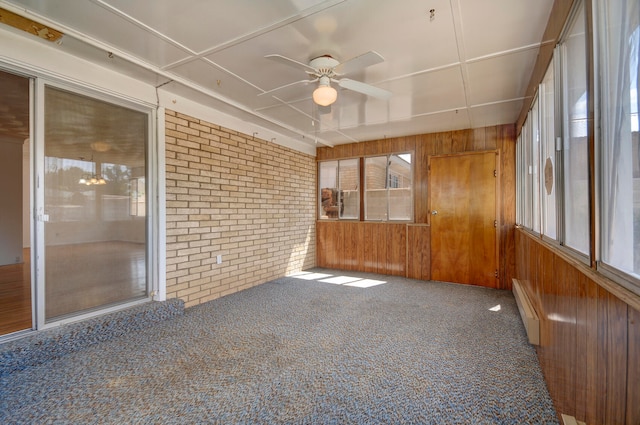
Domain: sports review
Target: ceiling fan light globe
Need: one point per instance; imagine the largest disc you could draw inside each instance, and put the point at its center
(325, 95)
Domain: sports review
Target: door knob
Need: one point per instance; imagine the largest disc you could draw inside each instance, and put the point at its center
(434, 212)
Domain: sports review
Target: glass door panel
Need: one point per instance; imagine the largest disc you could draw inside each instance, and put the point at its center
(15, 204)
(95, 231)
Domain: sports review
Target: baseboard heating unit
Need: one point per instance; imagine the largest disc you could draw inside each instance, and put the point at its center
(527, 313)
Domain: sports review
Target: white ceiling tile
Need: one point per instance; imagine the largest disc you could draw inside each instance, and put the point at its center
(203, 24)
(491, 26)
(428, 92)
(500, 78)
(218, 81)
(495, 114)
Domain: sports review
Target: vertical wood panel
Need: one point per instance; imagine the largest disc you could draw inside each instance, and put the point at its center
(370, 264)
(321, 244)
(414, 260)
(507, 145)
(491, 138)
(420, 183)
(382, 243)
(459, 141)
(399, 250)
(565, 338)
(617, 366)
(633, 367)
(586, 342)
(418, 259)
(361, 243)
(479, 138)
(446, 143)
(592, 352)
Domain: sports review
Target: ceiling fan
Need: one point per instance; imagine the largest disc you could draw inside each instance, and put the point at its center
(326, 70)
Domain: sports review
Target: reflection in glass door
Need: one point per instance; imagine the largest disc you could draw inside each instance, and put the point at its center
(15, 236)
(95, 218)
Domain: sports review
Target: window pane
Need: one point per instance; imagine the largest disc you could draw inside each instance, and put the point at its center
(575, 144)
(349, 175)
(535, 166)
(528, 171)
(548, 159)
(95, 251)
(400, 199)
(328, 175)
(620, 178)
(519, 184)
(375, 195)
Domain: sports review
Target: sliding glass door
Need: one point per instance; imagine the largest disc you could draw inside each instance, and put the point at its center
(15, 204)
(94, 209)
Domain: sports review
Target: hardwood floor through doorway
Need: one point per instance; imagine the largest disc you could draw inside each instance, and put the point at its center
(15, 296)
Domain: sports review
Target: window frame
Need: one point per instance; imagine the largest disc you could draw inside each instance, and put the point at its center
(338, 198)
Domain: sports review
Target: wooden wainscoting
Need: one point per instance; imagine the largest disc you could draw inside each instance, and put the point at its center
(349, 245)
(589, 338)
(419, 251)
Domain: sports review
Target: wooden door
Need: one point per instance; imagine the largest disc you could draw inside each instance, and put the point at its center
(464, 219)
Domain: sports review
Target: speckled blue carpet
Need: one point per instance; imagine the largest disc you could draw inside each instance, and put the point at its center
(320, 348)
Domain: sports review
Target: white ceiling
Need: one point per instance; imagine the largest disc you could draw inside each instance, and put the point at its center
(466, 66)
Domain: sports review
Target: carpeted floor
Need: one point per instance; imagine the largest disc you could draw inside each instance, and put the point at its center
(326, 347)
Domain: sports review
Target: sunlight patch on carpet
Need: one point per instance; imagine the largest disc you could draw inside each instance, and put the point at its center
(357, 282)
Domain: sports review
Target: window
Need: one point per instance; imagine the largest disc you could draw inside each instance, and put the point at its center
(535, 164)
(527, 171)
(619, 149)
(388, 187)
(388, 194)
(548, 154)
(543, 164)
(575, 152)
(339, 183)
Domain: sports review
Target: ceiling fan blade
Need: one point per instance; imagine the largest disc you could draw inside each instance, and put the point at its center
(292, 62)
(288, 85)
(364, 88)
(359, 62)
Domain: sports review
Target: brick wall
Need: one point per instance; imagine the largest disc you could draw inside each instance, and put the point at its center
(251, 201)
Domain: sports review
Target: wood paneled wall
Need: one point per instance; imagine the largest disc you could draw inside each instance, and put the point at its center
(590, 338)
(344, 245)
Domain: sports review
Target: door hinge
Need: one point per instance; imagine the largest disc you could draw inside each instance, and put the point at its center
(495, 173)
(496, 274)
(495, 223)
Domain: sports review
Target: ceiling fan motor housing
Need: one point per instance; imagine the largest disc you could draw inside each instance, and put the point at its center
(324, 65)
